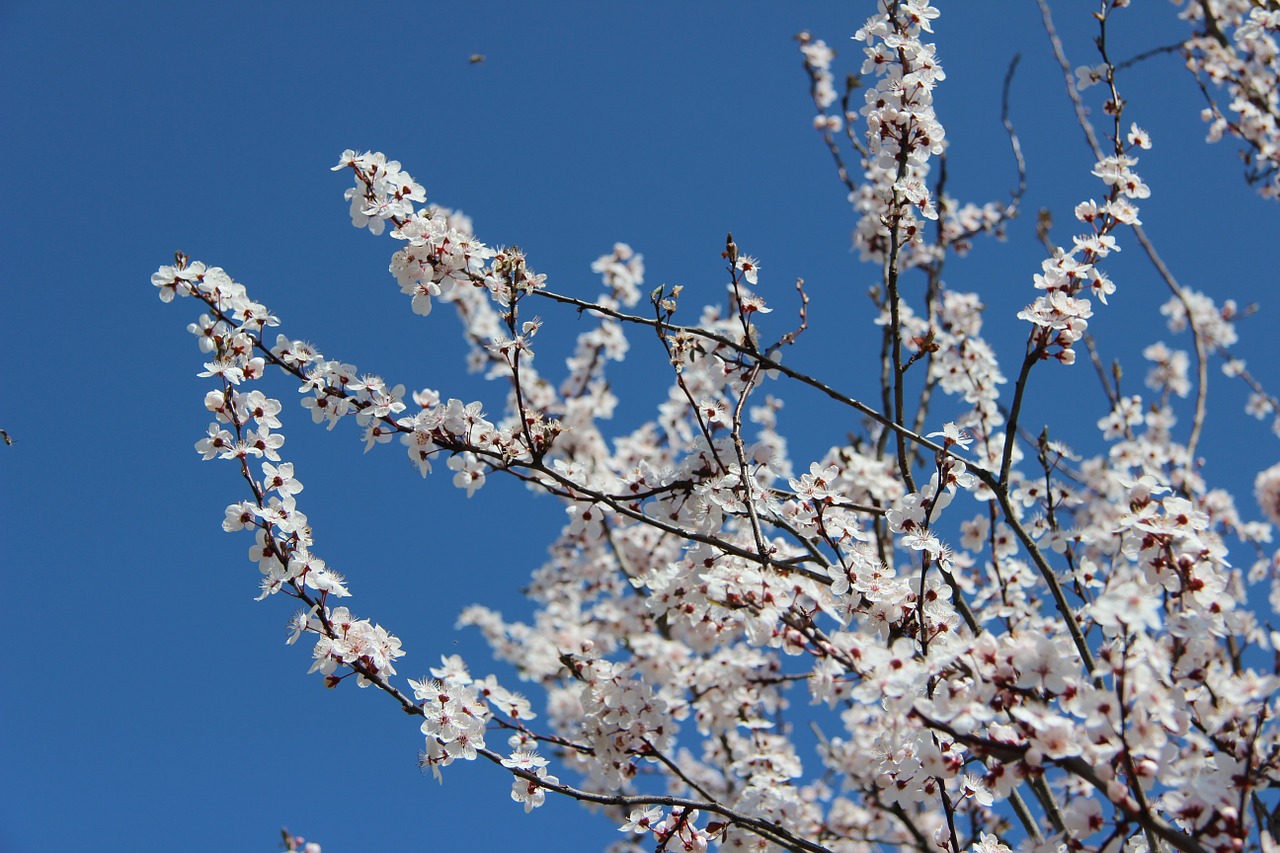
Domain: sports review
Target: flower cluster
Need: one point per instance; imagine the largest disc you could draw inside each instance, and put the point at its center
(244, 430)
(1235, 48)
(903, 131)
(382, 192)
(454, 715)
(1070, 277)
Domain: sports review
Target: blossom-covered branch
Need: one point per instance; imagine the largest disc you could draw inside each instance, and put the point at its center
(985, 626)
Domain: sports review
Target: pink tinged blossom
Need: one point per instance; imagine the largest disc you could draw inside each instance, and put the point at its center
(974, 788)
(262, 442)
(907, 514)
(260, 408)
(453, 671)
(531, 793)
(470, 472)
(327, 582)
(377, 432)
(923, 540)
(217, 442)
(750, 269)
(974, 533)
(420, 446)
(1044, 663)
(1090, 75)
(300, 622)
(952, 434)
(513, 705)
(641, 821)
(681, 830)
(1127, 605)
(1139, 137)
(1113, 170)
(228, 369)
(988, 843)
(280, 479)
(240, 515)
(816, 485)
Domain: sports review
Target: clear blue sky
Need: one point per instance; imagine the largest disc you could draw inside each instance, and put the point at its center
(149, 702)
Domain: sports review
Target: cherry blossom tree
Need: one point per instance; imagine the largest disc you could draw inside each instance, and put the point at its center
(996, 642)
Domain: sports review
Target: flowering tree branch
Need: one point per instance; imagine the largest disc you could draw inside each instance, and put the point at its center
(1076, 655)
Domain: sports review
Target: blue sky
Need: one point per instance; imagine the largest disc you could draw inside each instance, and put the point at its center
(150, 703)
